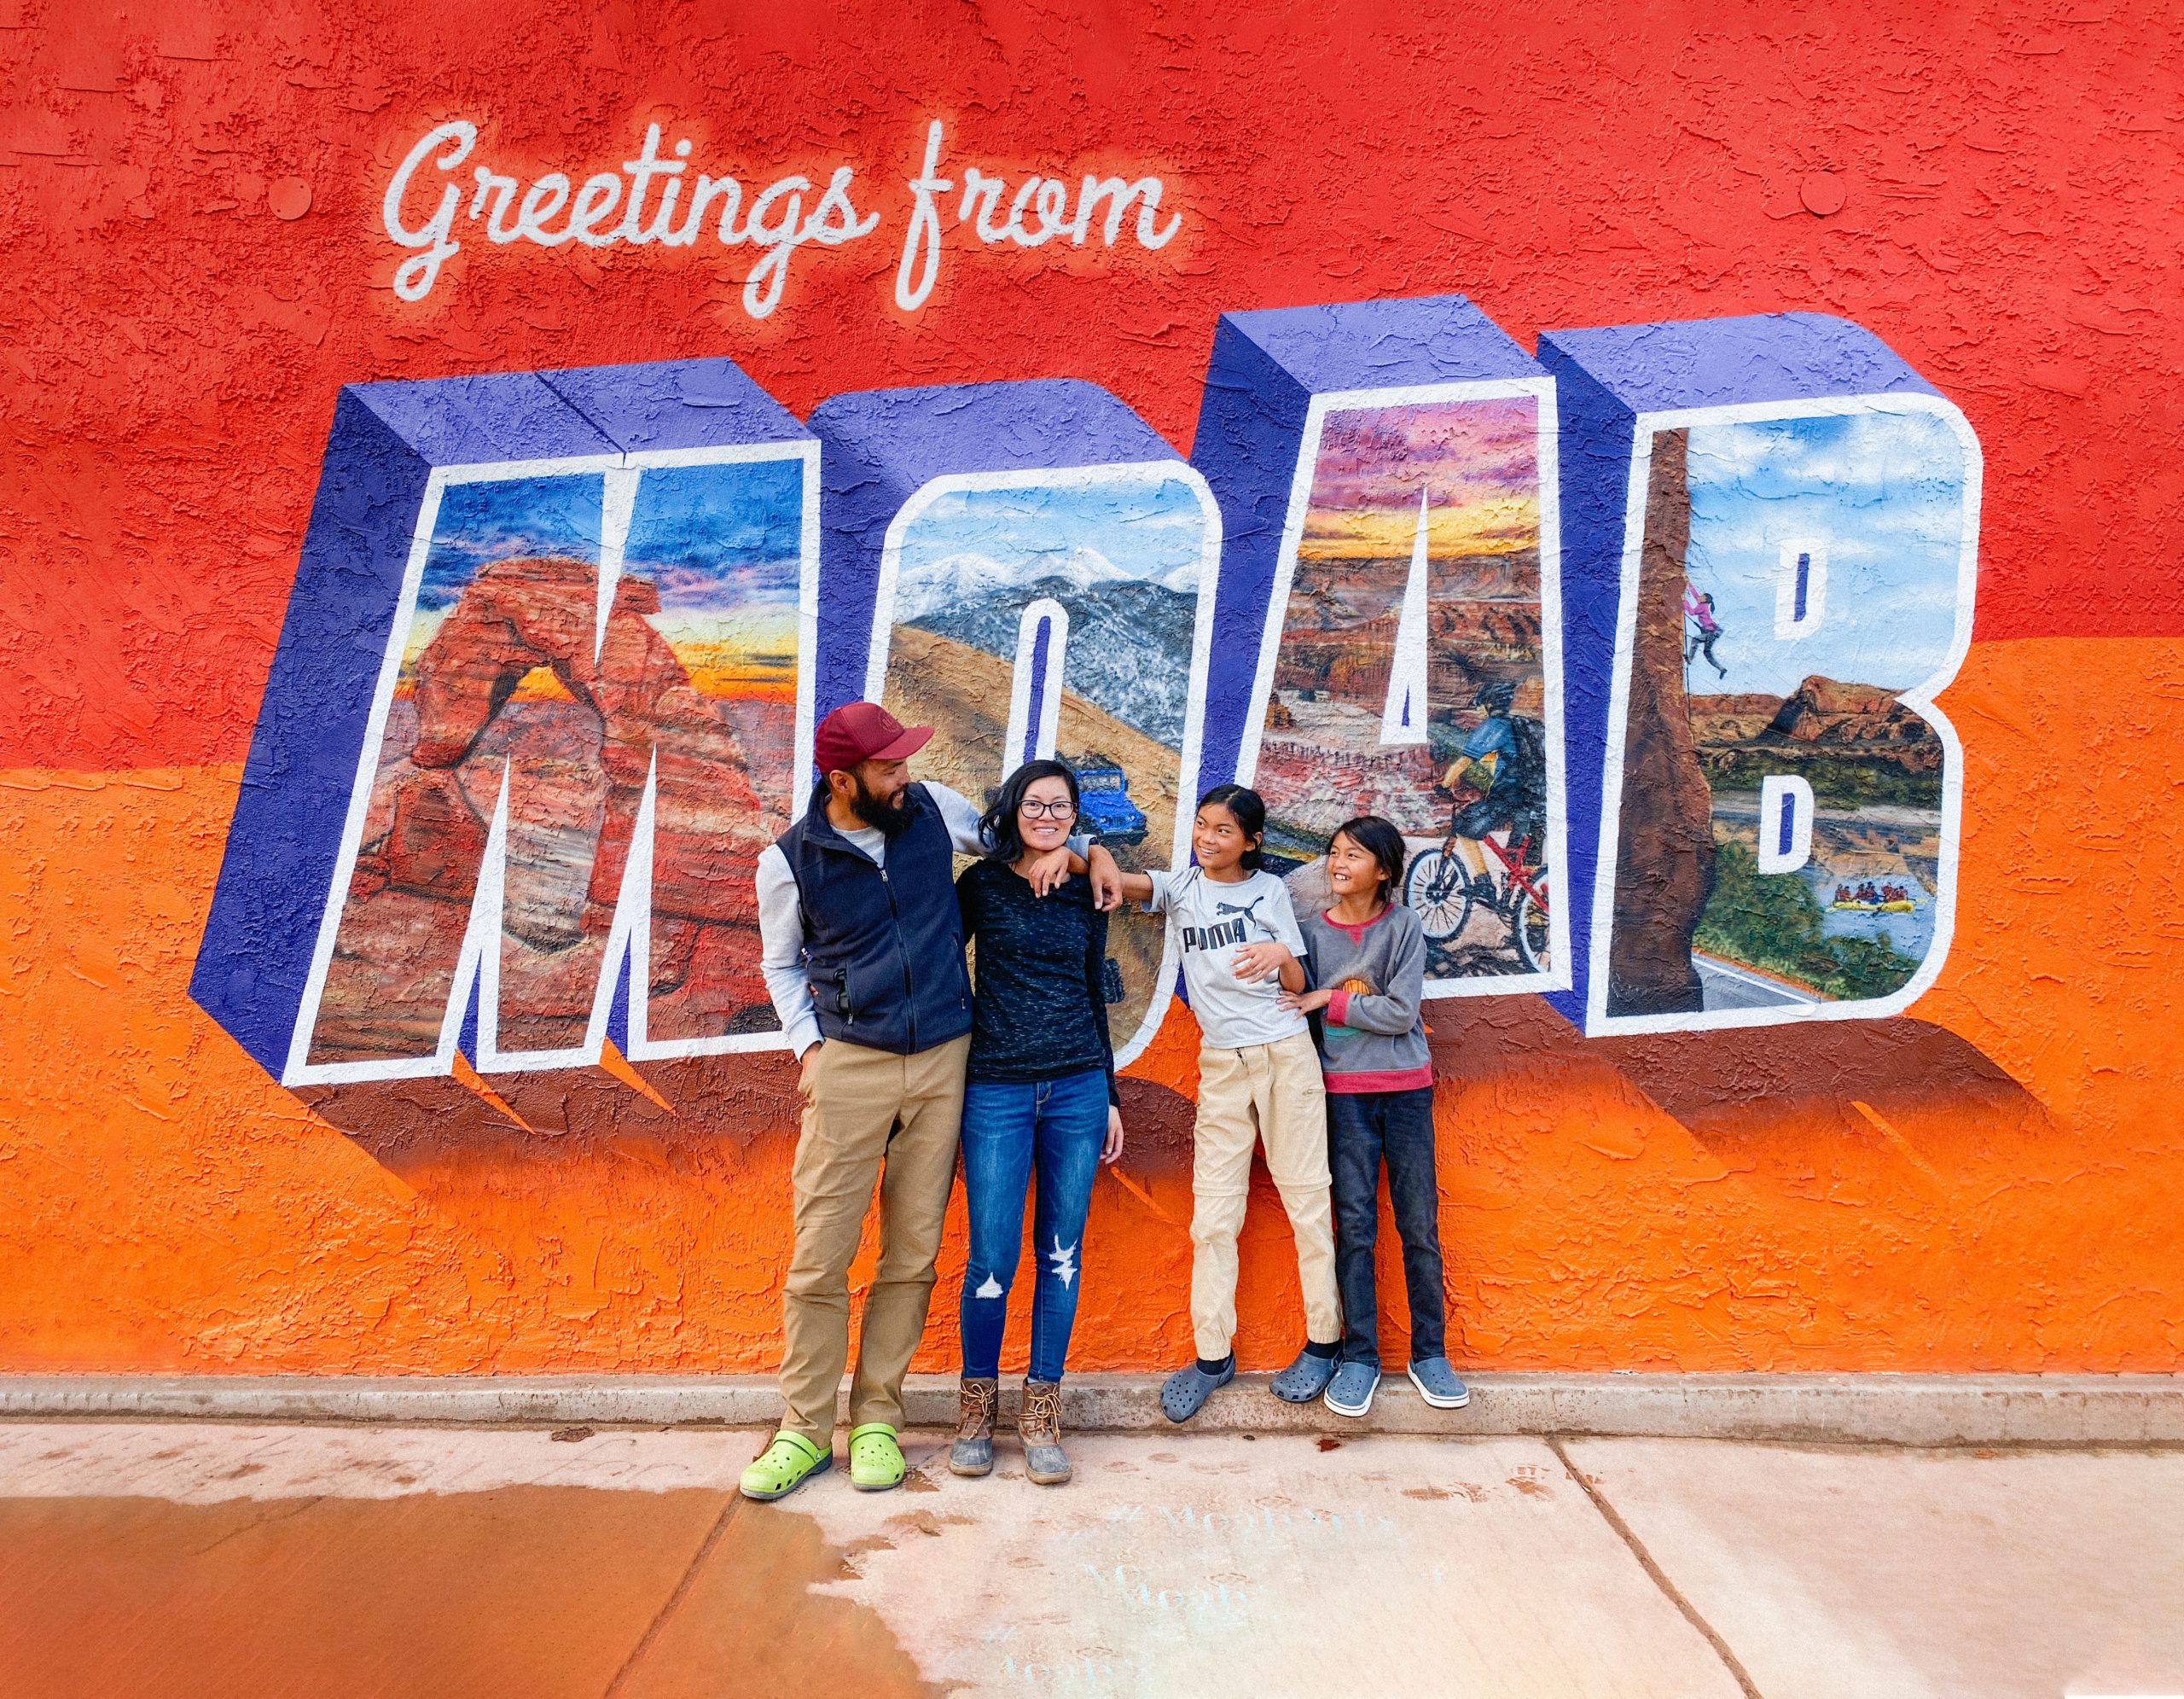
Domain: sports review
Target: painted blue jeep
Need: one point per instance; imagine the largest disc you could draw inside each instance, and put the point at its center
(1104, 797)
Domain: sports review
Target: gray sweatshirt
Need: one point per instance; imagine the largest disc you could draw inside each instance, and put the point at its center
(1372, 1037)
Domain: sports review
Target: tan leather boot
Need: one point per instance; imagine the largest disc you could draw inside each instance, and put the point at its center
(1039, 1426)
(975, 1403)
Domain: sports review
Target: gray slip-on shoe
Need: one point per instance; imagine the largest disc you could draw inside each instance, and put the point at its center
(1350, 1392)
(1186, 1391)
(1436, 1381)
(1305, 1379)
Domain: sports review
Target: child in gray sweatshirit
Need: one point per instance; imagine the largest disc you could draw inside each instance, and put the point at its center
(1366, 956)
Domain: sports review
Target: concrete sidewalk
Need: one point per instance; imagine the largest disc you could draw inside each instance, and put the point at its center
(156, 1559)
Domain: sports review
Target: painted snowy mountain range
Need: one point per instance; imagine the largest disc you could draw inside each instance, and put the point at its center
(1130, 637)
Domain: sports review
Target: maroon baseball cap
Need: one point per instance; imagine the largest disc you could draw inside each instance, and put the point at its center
(864, 731)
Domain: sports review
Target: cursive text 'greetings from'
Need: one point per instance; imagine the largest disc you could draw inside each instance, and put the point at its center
(440, 191)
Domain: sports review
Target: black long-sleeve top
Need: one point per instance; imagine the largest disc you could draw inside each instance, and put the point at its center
(1039, 1009)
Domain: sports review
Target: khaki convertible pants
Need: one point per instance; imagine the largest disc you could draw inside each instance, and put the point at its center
(1270, 1094)
(871, 1115)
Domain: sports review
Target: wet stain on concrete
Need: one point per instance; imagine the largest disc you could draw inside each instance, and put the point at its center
(750, 1621)
(536, 1592)
(532, 1592)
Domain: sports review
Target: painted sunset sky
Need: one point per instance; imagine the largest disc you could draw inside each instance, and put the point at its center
(500, 519)
(1477, 461)
(720, 542)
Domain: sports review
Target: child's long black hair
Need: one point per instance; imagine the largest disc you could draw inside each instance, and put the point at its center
(1249, 809)
(1380, 839)
(999, 821)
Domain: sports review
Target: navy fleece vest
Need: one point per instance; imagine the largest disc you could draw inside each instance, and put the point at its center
(883, 947)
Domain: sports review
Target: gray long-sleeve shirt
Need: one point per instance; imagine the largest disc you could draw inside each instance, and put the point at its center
(1373, 1034)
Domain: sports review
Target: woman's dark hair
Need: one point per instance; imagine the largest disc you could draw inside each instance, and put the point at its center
(1380, 839)
(999, 824)
(1249, 808)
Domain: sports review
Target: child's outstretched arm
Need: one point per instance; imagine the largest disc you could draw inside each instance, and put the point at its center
(1098, 864)
(1136, 887)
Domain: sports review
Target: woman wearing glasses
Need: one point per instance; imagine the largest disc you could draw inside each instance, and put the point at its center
(1039, 1104)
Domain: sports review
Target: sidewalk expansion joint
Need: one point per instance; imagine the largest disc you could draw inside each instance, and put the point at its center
(1660, 1576)
(674, 1600)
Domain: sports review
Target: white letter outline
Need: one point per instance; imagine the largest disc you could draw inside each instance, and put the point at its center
(1918, 698)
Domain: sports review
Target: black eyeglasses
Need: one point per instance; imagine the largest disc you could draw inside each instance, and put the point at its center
(1035, 810)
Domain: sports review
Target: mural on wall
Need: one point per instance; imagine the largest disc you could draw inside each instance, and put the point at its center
(1408, 675)
(214, 547)
(582, 650)
(1031, 615)
(1060, 608)
(590, 705)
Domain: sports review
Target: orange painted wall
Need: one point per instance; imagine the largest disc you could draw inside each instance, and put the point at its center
(169, 1209)
(2006, 1197)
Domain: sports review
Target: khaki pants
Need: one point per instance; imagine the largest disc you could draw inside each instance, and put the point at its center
(1270, 1094)
(871, 1116)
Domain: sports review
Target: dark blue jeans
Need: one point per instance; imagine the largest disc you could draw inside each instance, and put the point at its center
(1052, 1129)
(1364, 1129)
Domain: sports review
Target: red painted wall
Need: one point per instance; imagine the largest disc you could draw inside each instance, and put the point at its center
(2009, 176)
(190, 202)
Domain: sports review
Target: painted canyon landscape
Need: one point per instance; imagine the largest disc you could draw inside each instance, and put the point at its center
(513, 693)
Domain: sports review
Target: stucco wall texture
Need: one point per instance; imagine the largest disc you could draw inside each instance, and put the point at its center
(191, 204)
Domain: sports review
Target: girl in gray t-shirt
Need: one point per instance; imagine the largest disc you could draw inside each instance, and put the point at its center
(1230, 922)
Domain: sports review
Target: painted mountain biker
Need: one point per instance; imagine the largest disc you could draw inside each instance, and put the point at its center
(1505, 761)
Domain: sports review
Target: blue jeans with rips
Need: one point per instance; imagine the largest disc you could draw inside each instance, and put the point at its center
(1052, 1129)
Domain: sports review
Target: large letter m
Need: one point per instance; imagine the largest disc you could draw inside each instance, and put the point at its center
(542, 697)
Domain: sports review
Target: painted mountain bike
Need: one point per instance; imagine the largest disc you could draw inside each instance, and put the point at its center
(1442, 892)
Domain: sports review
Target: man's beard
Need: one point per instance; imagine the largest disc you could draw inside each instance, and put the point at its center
(890, 818)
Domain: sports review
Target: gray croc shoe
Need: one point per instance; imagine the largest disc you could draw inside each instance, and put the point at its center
(1305, 1379)
(1186, 1390)
(1350, 1392)
(1435, 1377)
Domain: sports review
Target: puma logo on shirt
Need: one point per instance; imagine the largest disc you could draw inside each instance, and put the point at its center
(1223, 935)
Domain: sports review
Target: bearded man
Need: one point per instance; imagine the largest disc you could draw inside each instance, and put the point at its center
(863, 957)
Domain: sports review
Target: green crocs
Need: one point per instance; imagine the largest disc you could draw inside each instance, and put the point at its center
(876, 1460)
(784, 1466)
